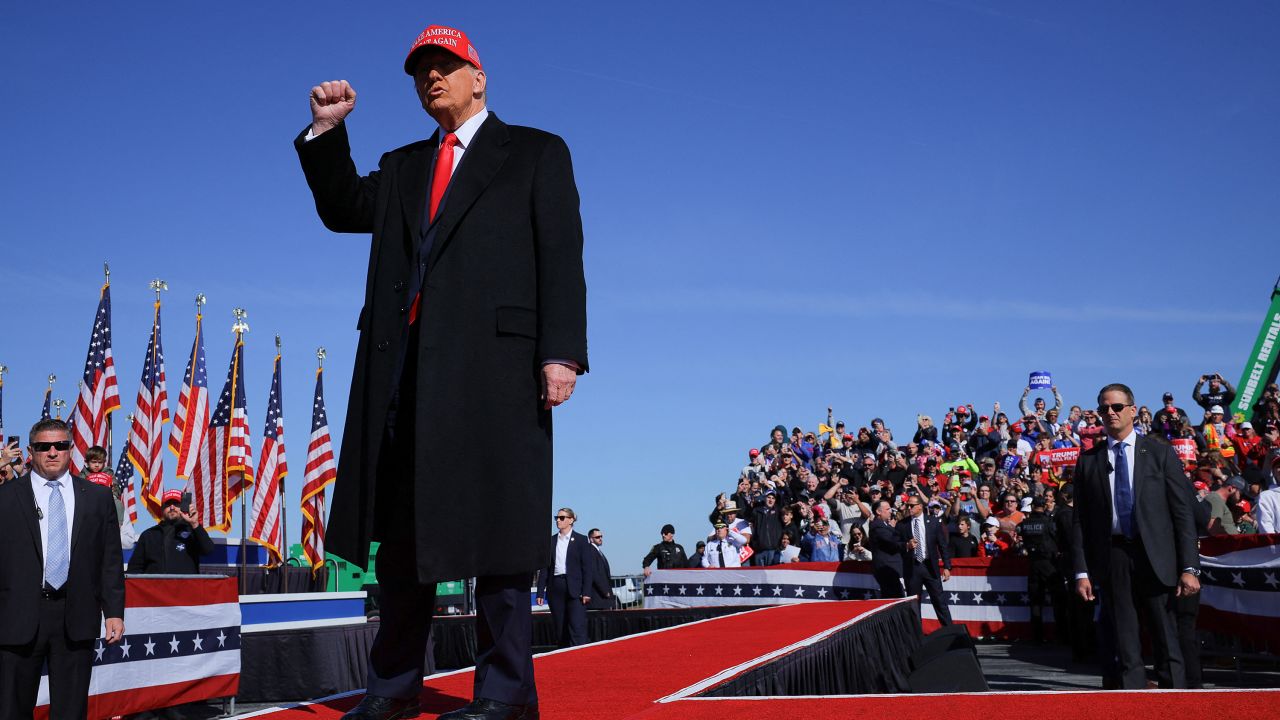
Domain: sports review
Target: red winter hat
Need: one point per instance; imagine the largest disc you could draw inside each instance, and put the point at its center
(445, 38)
(174, 496)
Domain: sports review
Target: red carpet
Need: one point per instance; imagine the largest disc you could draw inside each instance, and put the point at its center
(632, 676)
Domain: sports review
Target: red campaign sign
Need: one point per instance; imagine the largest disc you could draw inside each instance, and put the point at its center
(1058, 458)
(1186, 449)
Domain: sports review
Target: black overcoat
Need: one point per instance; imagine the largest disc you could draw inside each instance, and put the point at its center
(502, 291)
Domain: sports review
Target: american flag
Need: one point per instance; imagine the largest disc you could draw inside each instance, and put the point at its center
(225, 459)
(321, 471)
(265, 524)
(124, 481)
(99, 394)
(44, 412)
(146, 435)
(193, 408)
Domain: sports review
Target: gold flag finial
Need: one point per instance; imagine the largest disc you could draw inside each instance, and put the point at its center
(158, 285)
(240, 326)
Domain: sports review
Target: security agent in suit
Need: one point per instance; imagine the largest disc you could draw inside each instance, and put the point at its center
(565, 584)
(474, 315)
(924, 543)
(1134, 537)
(602, 597)
(62, 573)
(886, 550)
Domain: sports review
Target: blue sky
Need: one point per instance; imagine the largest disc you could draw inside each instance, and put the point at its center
(889, 207)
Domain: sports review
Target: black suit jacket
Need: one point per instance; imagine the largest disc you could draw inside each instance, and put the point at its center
(1162, 511)
(578, 566)
(937, 543)
(886, 547)
(502, 290)
(601, 589)
(95, 579)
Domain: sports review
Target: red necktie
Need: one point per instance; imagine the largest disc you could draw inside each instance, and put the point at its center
(444, 169)
(439, 182)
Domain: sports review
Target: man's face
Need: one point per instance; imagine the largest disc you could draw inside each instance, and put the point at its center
(916, 505)
(1118, 422)
(668, 537)
(722, 533)
(596, 538)
(868, 464)
(446, 84)
(50, 453)
(1039, 404)
(822, 527)
(884, 510)
(777, 436)
(172, 511)
(563, 522)
(965, 527)
(730, 517)
(811, 483)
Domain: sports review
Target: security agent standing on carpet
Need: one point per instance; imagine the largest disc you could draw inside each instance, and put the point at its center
(602, 597)
(565, 584)
(174, 545)
(924, 543)
(62, 572)
(1134, 536)
(1040, 544)
(474, 317)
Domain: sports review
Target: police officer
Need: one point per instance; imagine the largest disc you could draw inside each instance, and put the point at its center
(668, 553)
(1040, 545)
(174, 545)
(1072, 615)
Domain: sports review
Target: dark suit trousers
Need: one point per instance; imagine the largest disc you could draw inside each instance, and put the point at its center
(568, 614)
(890, 582)
(70, 666)
(918, 578)
(1131, 587)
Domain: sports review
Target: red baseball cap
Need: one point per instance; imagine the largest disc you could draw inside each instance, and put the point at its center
(1200, 485)
(753, 452)
(445, 38)
(171, 496)
(1244, 506)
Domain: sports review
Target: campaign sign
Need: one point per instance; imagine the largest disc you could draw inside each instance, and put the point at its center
(1186, 449)
(1058, 457)
(1040, 380)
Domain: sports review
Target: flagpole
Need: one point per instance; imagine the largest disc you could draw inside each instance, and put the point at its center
(284, 528)
(106, 273)
(239, 328)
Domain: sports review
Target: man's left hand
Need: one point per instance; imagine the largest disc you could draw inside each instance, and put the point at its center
(946, 574)
(557, 384)
(115, 630)
(586, 599)
(192, 518)
(1188, 584)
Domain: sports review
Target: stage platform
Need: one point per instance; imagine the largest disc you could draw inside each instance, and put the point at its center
(680, 673)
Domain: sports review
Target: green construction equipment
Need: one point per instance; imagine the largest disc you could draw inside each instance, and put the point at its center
(346, 576)
(1260, 368)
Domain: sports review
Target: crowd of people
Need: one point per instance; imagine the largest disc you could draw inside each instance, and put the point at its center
(995, 484)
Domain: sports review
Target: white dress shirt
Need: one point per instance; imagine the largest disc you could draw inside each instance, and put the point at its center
(43, 492)
(562, 552)
(1130, 442)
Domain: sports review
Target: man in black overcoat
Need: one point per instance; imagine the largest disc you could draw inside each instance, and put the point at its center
(1134, 536)
(61, 575)
(886, 550)
(474, 320)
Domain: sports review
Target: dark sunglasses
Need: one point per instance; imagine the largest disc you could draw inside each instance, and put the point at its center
(597, 537)
(1113, 407)
(61, 445)
(563, 517)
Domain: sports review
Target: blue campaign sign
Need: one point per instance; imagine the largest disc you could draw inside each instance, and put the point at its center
(1040, 380)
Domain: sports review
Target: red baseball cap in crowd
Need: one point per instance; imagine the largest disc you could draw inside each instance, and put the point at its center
(962, 410)
(447, 39)
(1200, 485)
(753, 452)
(171, 496)
(1244, 506)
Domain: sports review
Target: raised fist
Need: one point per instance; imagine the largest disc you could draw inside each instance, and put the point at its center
(331, 102)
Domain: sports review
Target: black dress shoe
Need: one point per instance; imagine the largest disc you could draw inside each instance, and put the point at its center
(373, 707)
(486, 709)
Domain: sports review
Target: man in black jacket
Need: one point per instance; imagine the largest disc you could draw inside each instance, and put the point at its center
(602, 597)
(668, 553)
(766, 535)
(61, 574)
(1133, 533)
(886, 551)
(925, 544)
(174, 545)
(474, 316)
